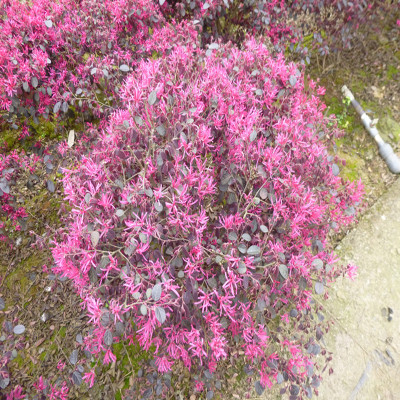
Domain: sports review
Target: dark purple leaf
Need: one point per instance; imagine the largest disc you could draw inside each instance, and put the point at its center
(77, 378)
(284, 271)
(319, 288)
(160, 314)
(50, 186)
(4, 381)
(73, 358)
(34, 81)
(143, 310)
(108, 338)
(152, 97)
(317, 263)
(156, 292)
(253, 250)
(259, 388)
(57, 107)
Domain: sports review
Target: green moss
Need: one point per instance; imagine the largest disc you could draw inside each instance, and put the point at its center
(10, 137)
(53, 346)
(131, 357)
(17, 279)
(49, 207)
(42, 355)
(391, 72)
(346, 117)
(389, 129)
(60, 333)
(63, 331)
(352, 169)
(19, 360)
(308, 39)
(45, 129)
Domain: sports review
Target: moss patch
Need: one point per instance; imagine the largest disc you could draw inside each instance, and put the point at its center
(391, 72)
(130, 357)
(17, 280)
(389, 129)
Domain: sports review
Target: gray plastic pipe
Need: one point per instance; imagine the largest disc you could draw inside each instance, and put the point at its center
(385, 149)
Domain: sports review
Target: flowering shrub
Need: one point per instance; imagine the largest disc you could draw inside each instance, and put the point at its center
(202, 194)
(70, 52)
(200, 215)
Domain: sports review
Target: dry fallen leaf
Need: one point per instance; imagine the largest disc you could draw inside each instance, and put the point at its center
(71, 138)
(378, 93)
(39, 342)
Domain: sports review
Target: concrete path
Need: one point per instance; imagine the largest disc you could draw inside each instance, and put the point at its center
(365, 340)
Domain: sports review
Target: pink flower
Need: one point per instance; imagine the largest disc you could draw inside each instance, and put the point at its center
(16, 394)
(115, 309)
(40, 384)
(218, 346)
(285, 318)
(352, 271)
(199, 386)
(94, 309)
(109, 357)
(89, 377)
(60, 365)
(163, 364)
